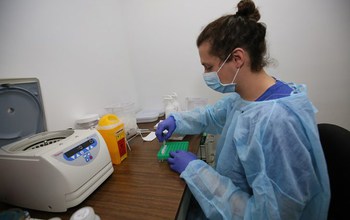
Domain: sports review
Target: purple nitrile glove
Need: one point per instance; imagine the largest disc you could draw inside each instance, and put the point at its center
(168, 125)
(179, 160)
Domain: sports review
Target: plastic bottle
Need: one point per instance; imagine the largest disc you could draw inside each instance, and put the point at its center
(169, 107)
(175, 102)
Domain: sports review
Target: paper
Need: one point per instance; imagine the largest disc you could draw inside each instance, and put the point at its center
(150, 137)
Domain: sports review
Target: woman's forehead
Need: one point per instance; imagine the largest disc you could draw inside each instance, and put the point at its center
(204, 48)
(204, 53)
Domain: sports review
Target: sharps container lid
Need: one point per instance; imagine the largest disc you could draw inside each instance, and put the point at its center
(109, 121)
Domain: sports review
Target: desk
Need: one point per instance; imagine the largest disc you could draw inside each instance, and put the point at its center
(140, 187)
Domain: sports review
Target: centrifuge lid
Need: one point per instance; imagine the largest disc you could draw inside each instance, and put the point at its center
(21, 110)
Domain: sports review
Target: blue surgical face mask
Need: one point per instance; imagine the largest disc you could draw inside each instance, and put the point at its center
(213, 81)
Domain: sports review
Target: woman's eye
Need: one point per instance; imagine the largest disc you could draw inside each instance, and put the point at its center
(208, 69)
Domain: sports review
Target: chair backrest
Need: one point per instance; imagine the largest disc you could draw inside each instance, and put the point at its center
(335, 142)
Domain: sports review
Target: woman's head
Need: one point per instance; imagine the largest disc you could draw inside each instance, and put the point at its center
(241, 30)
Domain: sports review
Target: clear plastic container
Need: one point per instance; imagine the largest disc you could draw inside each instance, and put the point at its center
(175, 102)
(169, 107)
(127, 114)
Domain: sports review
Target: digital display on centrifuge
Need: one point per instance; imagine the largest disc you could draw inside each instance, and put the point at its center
(79, 148)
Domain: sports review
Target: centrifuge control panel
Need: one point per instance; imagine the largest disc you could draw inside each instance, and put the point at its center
(82, 153)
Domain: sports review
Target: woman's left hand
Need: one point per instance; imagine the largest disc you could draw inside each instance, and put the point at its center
(179, 160)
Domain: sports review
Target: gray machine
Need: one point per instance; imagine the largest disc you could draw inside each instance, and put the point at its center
(21, 109)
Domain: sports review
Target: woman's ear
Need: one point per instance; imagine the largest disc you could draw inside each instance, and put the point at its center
(238, 57)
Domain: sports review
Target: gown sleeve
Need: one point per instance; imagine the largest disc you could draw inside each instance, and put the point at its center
(210, 119)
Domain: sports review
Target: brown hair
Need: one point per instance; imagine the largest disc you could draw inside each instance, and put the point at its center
(239, 30)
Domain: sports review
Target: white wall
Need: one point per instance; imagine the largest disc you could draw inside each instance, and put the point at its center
(145, 49)
(307, 39)
(310, 39)
(162, 43)
(77, 49)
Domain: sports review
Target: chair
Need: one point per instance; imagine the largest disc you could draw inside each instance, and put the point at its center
(335, 142)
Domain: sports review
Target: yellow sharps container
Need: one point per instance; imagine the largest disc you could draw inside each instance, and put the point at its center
(112, 131)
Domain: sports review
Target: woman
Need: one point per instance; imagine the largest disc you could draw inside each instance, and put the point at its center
(269, 160)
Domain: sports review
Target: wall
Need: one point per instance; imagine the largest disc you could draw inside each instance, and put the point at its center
(310, 41)
(307, 40)
(162, 36)
(88, 54)
(77, 49)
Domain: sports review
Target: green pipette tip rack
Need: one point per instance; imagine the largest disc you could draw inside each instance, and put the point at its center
(163, 154)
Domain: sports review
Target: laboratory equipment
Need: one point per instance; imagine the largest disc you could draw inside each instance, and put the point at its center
(112, 130)
(164, 151)
(207, 148)
(21, 109)
(53, 171)
(164, 142)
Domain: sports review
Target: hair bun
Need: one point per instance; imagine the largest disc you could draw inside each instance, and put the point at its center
(247, 9)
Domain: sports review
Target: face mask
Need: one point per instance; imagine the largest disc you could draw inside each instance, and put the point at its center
(213, 81)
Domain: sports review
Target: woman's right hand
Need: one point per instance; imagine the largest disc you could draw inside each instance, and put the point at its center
(167, 125)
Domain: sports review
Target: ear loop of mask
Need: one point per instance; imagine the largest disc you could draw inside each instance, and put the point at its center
(223, 63)
(222, 66)
(235, 75)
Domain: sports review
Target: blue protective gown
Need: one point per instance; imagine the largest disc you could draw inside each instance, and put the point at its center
(269, 160)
